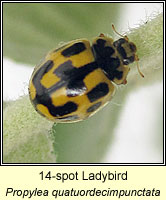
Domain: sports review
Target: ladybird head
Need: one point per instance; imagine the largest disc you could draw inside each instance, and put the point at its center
(126, 50)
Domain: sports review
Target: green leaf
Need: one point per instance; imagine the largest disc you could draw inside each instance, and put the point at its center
(26, 135)
(32, 29)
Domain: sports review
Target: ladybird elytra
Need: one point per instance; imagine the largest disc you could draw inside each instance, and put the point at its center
(74, 81)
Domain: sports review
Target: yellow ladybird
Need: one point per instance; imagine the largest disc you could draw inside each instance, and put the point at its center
(76, 80)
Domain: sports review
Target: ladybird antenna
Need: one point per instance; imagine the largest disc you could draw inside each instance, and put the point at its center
(137, 59)
(124, 36)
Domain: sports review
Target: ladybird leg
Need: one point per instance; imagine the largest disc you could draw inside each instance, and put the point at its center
(137, 59)
(124, 82)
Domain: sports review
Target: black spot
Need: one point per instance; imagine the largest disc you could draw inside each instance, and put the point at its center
(99, 91)
(117, 74)
(101, 42)
(94, 107)
(67, 108)
(74, 77)
(75, 88)
(69, 72)
(119, 48)
(55, 111)
(109, 67)
(108, 51)
(119, 42)
(39, 74)
(65, 70)
(101, 51)
(122, 52)
(47, 66)
(104, 59)
(74, 49)
(69, 118)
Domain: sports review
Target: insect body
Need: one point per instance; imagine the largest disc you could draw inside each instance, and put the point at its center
(76, 80)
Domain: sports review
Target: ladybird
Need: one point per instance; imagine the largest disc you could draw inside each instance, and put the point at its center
(76, 80)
